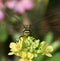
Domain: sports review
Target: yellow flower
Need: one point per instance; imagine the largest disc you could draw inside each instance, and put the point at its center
(49, 49)
(10, 53)
(45, 49)
(23, 54)
(27, 49)
(30, 55)
(24, 59)
(15, 48)
(21, 39)
(19, 45)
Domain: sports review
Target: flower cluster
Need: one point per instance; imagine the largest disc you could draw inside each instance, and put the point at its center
(18, 6)
(28, 48)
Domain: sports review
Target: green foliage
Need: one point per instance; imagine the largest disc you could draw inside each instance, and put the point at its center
(3, 32)
(15, 18)
(56, 57)
(48, 37)
(56, 44)
(2, 59)
(39, 58)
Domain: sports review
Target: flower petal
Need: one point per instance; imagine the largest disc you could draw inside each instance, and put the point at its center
(28, 4)
(49, 49)
(30, 55)
(1, 5)
(10, 4)
(49, 55)
(11, 53)
(12, 45)
(1, 15)
(19, 8)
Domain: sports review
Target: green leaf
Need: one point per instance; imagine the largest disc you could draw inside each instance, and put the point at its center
(39, 58)
(3, 32)
(56, 57)
(56, 45)
(48, 37)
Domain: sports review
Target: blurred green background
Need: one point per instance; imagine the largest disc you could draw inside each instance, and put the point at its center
(45, 25)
